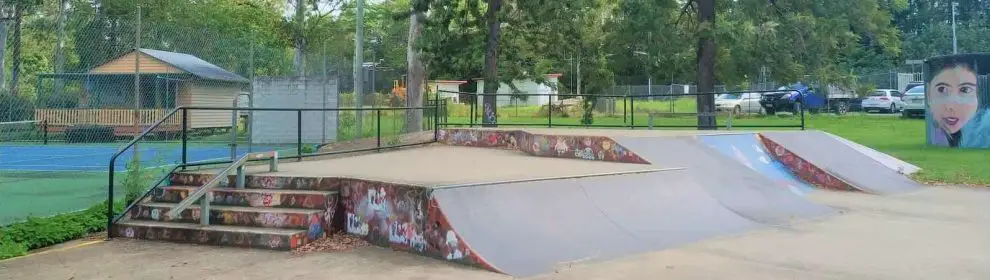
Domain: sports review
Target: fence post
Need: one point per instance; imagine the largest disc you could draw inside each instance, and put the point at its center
(474, 102)
(110, 201)
(624, 111)
(549, 112)
(801, 107)
(632, 113)
(299, 149)
(436, 118)
(378, 130)
(44, 131)
(185, 136)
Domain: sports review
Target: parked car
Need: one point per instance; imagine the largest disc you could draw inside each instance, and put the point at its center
(748, 102)
(912, 85)
(788, 98)
(914, 102)
(883, 100)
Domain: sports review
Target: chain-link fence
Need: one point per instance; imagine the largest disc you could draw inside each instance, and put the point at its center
(84, 81)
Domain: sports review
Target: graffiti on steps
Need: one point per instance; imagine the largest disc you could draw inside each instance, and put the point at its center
(264, 181)
(317, 224)
(805, 170)
(196, 236)
(561, 146)
(232, 197)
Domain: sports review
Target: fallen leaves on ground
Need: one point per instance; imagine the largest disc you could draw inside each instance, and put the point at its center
(337, 242)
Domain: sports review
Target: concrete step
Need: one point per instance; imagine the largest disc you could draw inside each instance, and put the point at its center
(313, 220)
(275, 198)
(265, 181)
(232, 236)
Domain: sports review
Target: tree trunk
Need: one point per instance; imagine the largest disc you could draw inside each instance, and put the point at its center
(3, 53)
(63, 16)
(299, 39)
(416, 76)
(358, 70)
(16, 53)
(706, 65)
(490, 113)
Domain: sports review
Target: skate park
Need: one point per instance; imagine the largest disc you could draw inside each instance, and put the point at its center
(652, 195)
(594, 140)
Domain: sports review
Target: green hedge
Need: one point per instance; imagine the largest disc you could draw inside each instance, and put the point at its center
(16, 239)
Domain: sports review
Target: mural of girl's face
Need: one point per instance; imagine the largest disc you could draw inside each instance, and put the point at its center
(952, 97)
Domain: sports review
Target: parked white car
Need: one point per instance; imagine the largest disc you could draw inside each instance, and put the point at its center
(744, 103)
(883, 100)
(914, 102)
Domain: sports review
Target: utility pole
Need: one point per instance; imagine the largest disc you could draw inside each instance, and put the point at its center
(358, 68)
(137, 81)
(955, 44)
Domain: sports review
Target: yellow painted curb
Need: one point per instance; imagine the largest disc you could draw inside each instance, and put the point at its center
(55, 250)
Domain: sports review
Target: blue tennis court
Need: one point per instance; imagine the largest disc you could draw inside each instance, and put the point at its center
(57, 157)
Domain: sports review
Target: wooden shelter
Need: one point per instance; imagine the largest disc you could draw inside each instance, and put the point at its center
(105, 95)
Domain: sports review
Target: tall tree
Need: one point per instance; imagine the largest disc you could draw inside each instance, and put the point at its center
(706, 64)
(490, 114)
(15, 70)
(298, 37)
(416, 74)
(63, 18)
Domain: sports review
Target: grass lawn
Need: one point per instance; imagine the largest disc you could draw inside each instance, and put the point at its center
(901, 138)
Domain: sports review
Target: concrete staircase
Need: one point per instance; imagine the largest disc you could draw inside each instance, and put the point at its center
(278, 213)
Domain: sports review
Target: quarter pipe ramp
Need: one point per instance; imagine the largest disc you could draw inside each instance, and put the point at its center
(530, 228)
(843, 161)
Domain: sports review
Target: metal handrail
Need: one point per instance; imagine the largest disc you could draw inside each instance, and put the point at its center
(219, 177)
(113, 162)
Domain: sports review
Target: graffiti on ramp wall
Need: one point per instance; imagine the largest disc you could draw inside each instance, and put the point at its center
(559, 146)
(404, 218)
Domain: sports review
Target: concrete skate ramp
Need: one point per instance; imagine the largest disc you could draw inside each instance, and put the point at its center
(734, 185)
(843, 161)
(747, 149)
(529, 228)
(893, 163)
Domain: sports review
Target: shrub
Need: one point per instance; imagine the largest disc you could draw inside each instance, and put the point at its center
(89, 133)
(16, 239)
(136, 180)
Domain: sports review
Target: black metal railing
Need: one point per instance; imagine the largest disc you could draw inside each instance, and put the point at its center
(195, 132)
(629, 111)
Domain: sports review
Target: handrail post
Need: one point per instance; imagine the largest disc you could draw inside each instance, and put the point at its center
(273, 164)
(185, 136)
(299, 149)
(204, 209)
(239, 180)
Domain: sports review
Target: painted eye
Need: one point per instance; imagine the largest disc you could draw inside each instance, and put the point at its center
(942, 89)
(967, 90)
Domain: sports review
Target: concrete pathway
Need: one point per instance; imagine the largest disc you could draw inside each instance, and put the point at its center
(935, 233)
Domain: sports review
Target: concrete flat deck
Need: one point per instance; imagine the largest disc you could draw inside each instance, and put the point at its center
(934, 233)
(445, 165)
(642, 132)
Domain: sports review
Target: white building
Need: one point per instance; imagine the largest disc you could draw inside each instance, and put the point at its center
(447, 89)
(548, 91)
